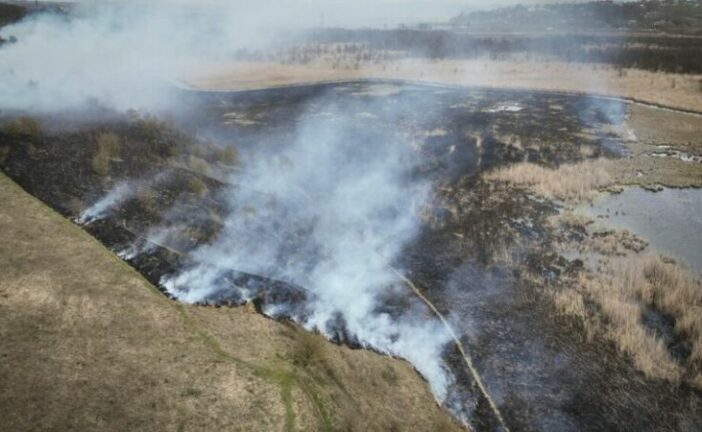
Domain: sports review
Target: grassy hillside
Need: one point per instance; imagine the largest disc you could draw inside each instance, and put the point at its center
(87, 344)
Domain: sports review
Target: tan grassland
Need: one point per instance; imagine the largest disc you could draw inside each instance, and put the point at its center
(87, 344)
(667, 89)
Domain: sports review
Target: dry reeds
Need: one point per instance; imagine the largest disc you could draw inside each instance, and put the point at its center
(23, 126)
(573, 182)
(612, 302)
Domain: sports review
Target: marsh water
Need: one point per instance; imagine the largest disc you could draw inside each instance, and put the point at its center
(670, 219)
(338, 184)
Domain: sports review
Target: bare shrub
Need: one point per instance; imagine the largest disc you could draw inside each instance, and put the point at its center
(109, 147)
(614, 243)
(228, 156)
(147, 199)
(150, 126)
(570, 219)
(309, 348)
(197, 186)
(110, 143)
(4, 152)
(101, 164)
(198, 150)
(76, 205)
(23, 126)
(575, 182)
(199, 165)
(389, 375)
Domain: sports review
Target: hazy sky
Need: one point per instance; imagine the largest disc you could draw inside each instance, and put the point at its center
(350, 12)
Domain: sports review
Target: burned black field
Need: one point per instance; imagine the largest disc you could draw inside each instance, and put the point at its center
(255, 197)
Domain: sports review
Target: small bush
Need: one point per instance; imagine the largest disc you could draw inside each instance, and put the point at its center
(389, 375)
(228, 156)
(109, 147)
(110, 143)
(191, 392)
(24, 126)
(75, 206)
(101, 164)
(309, 348)
(197, 186)
(198, 150)
(151, 127)
(198, 165)
(147, 198)
(4, 152)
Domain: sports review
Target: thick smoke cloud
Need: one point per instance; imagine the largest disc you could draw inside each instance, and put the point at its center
(125, 55)
(330, 213)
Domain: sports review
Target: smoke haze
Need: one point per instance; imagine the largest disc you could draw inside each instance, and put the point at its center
(329, 212)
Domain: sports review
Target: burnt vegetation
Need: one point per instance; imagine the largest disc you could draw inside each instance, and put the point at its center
(82, 163)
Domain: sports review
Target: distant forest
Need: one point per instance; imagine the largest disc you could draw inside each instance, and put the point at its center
(651, 35)
(650, 52)
(669, 16)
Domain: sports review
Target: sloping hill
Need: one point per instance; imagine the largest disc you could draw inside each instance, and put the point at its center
(87, 344)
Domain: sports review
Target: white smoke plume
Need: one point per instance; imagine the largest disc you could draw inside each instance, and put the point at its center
(126, 55)
(122, 192)
(329, 213)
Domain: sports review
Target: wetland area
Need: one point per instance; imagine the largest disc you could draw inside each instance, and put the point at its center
(330, 205)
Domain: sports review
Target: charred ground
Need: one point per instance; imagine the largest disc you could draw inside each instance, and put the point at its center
(487, 254)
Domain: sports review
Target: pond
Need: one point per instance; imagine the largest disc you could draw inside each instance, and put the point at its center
(671, 220)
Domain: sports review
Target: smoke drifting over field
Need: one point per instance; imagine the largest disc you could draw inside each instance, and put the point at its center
(118, 56)
(329, 213)
(126, 55)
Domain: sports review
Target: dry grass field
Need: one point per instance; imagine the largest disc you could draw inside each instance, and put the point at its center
(87, 344)
(667, 89)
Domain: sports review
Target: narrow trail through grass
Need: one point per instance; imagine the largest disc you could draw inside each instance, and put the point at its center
(466, 357)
